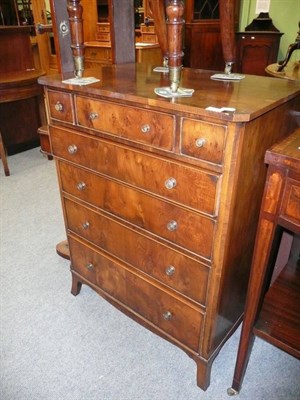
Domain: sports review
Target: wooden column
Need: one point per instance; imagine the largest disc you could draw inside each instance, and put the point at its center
(76, 26)
(227, 33)
(122, 31)
(62, 36)
(175, 22)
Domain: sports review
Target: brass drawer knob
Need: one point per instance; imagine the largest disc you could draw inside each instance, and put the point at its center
(81, 186)
(200, 142)
(90, 266)
(145, 128)
(59, 106)
(170, 183)
(86, 225)
(170, 270)
(172, 225)
(72, 149)
(167, 315)
(93, 116)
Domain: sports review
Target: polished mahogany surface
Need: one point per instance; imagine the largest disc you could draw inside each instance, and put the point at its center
(250, 97)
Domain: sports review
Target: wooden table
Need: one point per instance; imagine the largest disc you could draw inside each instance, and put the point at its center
(21, 101)
(278, 319)
(21, 93)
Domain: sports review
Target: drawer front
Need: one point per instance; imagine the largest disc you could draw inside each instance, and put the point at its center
(186, 185)
(290, 208)
(170, 267)
(152, 128)
(203, 140)
(168, 313)
(149, 38)
(98, 54)
(103, 27)
(175, 224)
(103, 36)
(147, 29)
(60, 106)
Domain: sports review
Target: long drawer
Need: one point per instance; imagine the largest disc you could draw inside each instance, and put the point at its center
(189, 186)
(178, 271)
(187, 229)
(149, 127)
(165, 311)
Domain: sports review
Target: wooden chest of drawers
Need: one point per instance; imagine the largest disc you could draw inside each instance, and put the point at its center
(161, 198)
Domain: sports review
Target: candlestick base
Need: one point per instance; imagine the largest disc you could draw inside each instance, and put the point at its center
(227, 77)
(168, 93)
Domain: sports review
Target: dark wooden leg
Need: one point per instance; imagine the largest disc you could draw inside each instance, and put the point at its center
(258, 276)
(203, 373)
(245, 347)
(76, 285)
(3, 157)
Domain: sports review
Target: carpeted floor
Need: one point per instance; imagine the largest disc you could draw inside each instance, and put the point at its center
(55, 346)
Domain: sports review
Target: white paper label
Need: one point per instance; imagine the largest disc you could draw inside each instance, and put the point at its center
(262, 6)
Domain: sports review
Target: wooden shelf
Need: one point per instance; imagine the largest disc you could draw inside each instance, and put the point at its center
(279, 319)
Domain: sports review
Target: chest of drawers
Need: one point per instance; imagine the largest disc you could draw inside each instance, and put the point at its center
(161, 197)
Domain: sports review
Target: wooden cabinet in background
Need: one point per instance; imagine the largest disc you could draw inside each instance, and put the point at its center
(202, 44)
(98, 35)
(97, 21)
(258, 46)
(256, 50)
(97, 53)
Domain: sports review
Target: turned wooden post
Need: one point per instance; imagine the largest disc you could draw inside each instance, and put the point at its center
(159, 16)
(175, 22)
(76, 26)
(226, 8)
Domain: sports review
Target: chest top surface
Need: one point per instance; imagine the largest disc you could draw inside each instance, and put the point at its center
(135, 83)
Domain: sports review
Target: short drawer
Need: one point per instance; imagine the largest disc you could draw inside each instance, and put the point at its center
(143, 126)
(149, 38)
(290, 208)
(173, 316)
(103, 36)
(178, 225)
(147, 29)
(172, 268)
(103, 27)
(186, 185)
(203, 140)
(60, 106)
